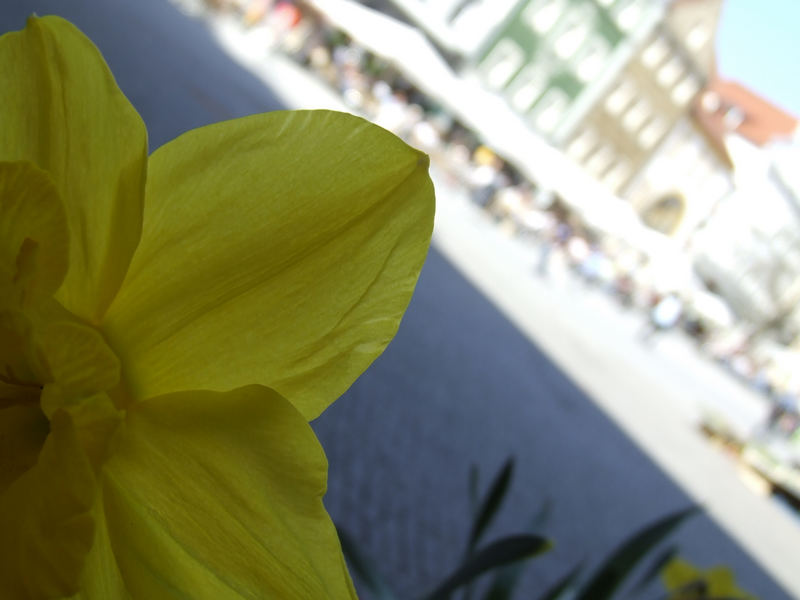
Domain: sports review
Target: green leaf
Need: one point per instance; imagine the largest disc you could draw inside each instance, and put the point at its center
(505, 581)
(364, 568)
(563, 588)
(655, 569)
(491, 503)
(507, 577)
(617, 567)
(496, 554)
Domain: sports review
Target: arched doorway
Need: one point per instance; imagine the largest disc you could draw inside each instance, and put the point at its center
(665, 214)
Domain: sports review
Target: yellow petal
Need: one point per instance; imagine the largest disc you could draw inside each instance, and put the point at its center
(719, 582)
(678, 573)
(61, 109)
(279, 249)
(23, 429)
(45, 519)
(79, 363)
(219, 496)
(101, 579)
(96, 419)
(722, 584)
(19, 368)
(33, 235)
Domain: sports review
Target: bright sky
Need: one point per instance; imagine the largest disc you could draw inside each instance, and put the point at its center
(758, 45)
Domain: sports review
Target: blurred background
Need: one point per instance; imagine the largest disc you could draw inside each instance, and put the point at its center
(612, 293)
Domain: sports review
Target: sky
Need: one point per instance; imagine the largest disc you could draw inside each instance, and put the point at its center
(758, 45)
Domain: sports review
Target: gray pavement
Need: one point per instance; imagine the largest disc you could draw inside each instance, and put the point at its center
(478, 369)
(657, 394)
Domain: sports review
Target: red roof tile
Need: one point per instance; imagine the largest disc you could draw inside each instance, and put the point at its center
(728, 106)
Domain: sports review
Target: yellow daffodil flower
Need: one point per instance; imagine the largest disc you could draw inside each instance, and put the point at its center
(686, 582)
(169, 325)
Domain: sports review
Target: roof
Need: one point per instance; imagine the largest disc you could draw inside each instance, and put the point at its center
(729, 107)
(726, 107)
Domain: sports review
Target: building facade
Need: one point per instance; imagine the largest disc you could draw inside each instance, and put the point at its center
(553, 59)
(612, 83)
(639, 127)
(460, 27)
(750, 250)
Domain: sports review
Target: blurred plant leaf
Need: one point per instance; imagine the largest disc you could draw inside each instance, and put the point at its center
(491, 503)
(623, 560)
(502, 552)
(507, 578)
(365, 569)
(564, 587)
(655, 569)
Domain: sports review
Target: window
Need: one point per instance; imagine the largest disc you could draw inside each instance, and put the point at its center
(619, 98)
(502, 63)
(665, 214)
(710, 101)
(734, 117)
(655, 52)
(549, 109)
(698, 36)
(470, 20)
(617, 175)
(627, 14)
(652, 132)
(685, 90)
(636, 115)
(670, 72)
(573, 31)
(591, 58)
(600, 160)
(543, 14)
(580, 145)
(527, 87)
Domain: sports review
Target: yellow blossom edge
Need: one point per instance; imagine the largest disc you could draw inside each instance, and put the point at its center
(280, 249)
(45, 517)
(61, 110)
(216, 496)
(679, 576)
(34, 240)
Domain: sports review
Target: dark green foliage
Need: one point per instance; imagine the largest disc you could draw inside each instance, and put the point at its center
(507, 578)
(496, 554)
(622, 561)
(491, 503)
(564, 587)
(655, 569)
(507, 557)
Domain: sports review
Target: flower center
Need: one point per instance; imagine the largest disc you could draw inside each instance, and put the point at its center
(13, 387)
(23, 429)
(47, 366)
